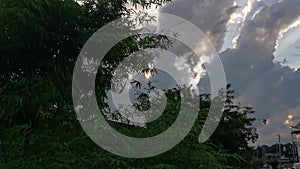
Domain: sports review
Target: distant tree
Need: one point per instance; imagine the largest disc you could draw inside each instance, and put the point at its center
(255, 163)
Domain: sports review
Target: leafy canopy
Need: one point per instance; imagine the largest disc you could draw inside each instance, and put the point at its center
(39, 44)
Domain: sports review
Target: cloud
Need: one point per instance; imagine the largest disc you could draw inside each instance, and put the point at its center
(211, 16)
(270, 88)
(246, 10)
(253, 57)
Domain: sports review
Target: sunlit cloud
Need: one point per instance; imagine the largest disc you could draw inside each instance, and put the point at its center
(236, 22)
(253, 29)
(281, 33)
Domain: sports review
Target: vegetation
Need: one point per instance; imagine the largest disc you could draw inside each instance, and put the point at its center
(40, 42)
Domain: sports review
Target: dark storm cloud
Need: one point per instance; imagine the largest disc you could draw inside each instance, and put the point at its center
(211, 16)
(266, 27)
(251, 64)
(273, 90)
(270, 88)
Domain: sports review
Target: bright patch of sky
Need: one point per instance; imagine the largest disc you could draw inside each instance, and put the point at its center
(271, 2)
(288, 46)
(236, 22)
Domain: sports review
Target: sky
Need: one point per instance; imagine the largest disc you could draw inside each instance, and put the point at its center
(258, 42)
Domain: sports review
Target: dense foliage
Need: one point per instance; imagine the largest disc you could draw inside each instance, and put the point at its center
(40, 41)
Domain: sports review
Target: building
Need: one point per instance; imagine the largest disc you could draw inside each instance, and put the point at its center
(296, 132)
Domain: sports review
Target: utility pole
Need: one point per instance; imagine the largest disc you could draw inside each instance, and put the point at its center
(289, 123)
(279, 151)
(293, 147)
(263, 155)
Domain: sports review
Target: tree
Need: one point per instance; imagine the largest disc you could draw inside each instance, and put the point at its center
(235, 130)
(40, 42)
